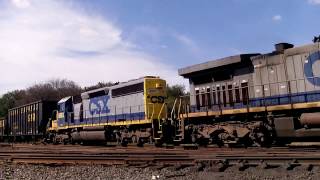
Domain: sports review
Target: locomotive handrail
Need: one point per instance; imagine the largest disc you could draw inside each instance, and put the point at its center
(148, 112)
(159, 120)
(173, 108)
(179, 108)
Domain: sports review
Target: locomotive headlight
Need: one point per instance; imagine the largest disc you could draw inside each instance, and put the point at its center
(158, 86)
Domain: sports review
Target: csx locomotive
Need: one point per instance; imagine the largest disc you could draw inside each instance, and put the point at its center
(126, 112)
(255, 98)
(247, 99)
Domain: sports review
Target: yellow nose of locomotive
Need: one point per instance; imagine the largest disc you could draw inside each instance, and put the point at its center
(155, 96)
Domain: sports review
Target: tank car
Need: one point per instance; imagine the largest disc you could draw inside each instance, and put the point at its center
(254, 99)
(129, 112)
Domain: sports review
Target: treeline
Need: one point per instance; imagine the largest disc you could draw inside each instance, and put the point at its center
(57, 89)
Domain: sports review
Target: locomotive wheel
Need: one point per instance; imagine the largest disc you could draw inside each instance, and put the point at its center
(134, 139)
(140, 142)
(261, 137)
(124, 142)
(55, 141)
(220, 138)
(158, 143)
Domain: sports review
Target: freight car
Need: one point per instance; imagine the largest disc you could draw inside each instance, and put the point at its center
(127, 112)
(254, 99)
(2, 128)
(27, 122)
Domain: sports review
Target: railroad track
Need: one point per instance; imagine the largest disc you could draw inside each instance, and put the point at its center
(215, 159)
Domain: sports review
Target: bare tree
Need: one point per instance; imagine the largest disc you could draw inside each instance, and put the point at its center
(99, 85)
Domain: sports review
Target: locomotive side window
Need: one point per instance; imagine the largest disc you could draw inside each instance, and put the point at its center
(219, 95)
(224, 96)
(214, 96)
(237, 93)
(131, 89)
(230, 93)
(197, 100)
(203, 99)
(245, 90)
(208, 98)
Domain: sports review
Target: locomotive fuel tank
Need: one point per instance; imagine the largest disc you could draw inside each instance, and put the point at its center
(310, 119)
(88, 136)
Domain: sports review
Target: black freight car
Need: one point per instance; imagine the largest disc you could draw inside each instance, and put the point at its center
(29, 122)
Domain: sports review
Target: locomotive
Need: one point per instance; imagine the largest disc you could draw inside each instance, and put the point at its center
(129, 112)
(247, 99)
(255, 99)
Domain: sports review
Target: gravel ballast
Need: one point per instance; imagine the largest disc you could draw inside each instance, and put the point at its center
(39, 172)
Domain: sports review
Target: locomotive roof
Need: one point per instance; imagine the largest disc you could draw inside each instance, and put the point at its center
(122, 84)
(215, 64)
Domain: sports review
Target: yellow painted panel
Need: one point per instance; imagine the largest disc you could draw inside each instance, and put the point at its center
(254, 109)
(257, 109)
(234, 111)
(279, 107)
(306, 105)
(214, 113)
(122, 123)
(154, 97)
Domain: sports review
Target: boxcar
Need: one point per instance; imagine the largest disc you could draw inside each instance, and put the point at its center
(29, 122)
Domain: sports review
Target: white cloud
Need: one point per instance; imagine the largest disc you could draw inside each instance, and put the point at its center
(277, 18)
(187, 41)
(315, 2)
(40, 40)
(21, 3)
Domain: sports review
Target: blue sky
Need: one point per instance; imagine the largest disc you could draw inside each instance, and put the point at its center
(211, 29)
(116, 40)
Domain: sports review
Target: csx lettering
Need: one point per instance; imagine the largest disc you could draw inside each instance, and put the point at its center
(157, 99)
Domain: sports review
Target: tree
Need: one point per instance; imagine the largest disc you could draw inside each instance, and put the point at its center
(52, 90)
(9, 100)
(99, 85)
(174, 92)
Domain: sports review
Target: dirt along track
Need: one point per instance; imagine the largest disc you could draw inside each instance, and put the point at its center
(217, 158)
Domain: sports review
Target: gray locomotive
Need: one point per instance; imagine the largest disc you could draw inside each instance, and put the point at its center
(254, 98)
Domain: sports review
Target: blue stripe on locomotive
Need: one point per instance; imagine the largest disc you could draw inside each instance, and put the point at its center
(98, 110)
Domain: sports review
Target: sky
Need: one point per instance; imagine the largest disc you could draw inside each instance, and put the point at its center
(88, 41)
